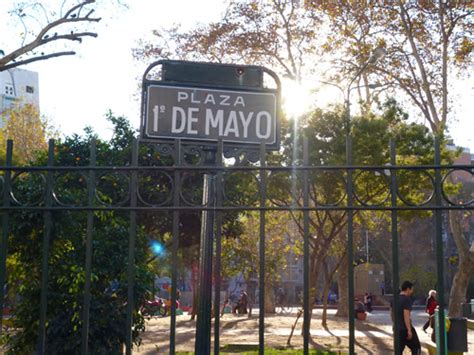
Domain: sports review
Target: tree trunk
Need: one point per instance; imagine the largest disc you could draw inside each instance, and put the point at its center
(457, 295)
(194, 281)
(313, 280)
(269, 298)
(328, 279)
(327, 283)
(465, 268)
(342, 285)
(251, 296)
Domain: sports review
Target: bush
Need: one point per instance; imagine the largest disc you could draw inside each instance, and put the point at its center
(67, 250)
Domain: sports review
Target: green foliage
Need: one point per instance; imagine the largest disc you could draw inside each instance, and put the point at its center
(326, 135)
(155, 188)
(66, 262)
(241, 255)
(423, 279)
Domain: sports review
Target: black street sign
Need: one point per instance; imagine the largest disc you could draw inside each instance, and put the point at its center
(201, 114)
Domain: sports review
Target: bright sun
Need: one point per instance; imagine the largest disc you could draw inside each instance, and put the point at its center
(297, 98)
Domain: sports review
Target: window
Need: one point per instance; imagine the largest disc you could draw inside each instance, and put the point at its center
(9, 89)
(30, 89)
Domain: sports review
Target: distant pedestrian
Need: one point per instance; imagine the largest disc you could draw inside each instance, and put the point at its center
(359, 309)
(280, 296)
(242, 303)
(430, 307)
(368, 301)
(225, 305)
(406, 331)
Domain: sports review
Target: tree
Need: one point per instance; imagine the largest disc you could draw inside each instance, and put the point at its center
(325, 131)
(276, 33)
(428, 43)
(43, 27)
(66, 275)
(24, 125)
(459, 223)
(417, 62)
(241, 255)
(156, 188)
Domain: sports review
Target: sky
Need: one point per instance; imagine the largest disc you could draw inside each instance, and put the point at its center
(77, 91)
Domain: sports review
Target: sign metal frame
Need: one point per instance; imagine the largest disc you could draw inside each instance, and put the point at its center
(192, 84)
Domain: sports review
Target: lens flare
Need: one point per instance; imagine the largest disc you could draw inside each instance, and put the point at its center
(157, 248)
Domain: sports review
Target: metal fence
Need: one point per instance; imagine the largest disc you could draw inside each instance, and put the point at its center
(438, 201)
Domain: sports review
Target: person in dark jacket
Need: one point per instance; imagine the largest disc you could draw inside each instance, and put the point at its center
(368, 301)
(431, 304)
(407, 333)
(242, 303)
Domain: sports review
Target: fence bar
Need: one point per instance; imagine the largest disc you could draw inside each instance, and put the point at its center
(175, 231)
(88, 267)
(261, 276)
(5, 229)
(350, 246)
(395, 246)
(306, 304)
(441, 342)
(48, 199)
(131, 249)
(218, 241)
(203, 324)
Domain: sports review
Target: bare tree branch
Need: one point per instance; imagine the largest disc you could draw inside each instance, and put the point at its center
(35, 59)
(43, 37)
(407, 24)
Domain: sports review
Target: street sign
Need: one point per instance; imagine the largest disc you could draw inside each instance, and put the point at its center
(207, 102)
(211, 114)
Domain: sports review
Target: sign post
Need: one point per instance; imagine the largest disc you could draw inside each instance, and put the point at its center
(203, 104)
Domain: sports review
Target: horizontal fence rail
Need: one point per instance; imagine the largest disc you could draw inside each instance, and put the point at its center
(17, 173)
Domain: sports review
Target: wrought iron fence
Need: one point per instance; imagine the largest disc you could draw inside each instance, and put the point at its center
(188, 160)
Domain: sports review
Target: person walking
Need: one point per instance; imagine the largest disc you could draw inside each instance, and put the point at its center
(242, 303)
(406, 331)
(431, 304)
(368, 301)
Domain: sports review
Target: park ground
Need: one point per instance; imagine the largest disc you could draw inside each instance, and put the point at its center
(373, 336)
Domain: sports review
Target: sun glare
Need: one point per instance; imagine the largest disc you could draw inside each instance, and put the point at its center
(297, 98)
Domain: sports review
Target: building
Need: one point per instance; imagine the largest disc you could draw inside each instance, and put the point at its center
(369, 278)
(18, 85)
(292, 278)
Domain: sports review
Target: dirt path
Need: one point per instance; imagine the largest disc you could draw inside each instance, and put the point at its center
(373, 336)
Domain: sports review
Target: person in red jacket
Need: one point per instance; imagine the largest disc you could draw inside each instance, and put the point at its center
(431, 305)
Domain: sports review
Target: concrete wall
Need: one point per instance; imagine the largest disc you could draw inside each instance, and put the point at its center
(369, 278)
(18, 85)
